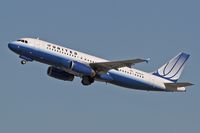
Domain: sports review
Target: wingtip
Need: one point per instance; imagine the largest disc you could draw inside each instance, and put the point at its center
(147, 60)
(191, 84)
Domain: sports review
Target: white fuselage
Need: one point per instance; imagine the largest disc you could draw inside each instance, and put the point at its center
(46, 52)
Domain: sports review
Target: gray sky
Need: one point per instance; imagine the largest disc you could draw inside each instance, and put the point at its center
(30, 101)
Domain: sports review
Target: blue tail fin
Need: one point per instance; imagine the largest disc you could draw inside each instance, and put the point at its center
(172, 70)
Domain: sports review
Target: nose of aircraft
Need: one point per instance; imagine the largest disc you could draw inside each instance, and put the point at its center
(9, 45)
(12, 46)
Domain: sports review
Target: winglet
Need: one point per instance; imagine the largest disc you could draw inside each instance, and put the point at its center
(147, 60)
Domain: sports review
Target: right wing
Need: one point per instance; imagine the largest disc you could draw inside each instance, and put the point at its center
(105, 66)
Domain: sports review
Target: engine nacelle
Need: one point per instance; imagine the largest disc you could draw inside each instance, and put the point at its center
(82, 68)
(78, 67)
(59, 74)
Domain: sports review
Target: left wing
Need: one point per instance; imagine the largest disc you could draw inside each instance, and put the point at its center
(105, 66)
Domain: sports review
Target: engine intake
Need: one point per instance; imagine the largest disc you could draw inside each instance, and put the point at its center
(59, 74)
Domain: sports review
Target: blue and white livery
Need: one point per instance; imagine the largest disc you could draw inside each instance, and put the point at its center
(172, 70)
(65, 64)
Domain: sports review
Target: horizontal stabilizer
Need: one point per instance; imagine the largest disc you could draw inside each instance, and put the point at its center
(177, 86)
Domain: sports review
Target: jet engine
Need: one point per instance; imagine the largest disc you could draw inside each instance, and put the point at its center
(79, 68)
(59, 74)
(82, 68)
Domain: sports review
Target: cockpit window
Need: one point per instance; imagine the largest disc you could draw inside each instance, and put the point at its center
(24, 41)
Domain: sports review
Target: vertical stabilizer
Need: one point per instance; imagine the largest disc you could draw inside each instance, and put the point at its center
(172, 70)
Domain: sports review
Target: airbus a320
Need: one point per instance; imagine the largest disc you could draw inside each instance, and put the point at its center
(65, 64)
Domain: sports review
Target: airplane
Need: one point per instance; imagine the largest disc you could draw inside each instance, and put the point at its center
(65, 64)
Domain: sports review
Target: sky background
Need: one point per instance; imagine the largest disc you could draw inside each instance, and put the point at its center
(32, 102)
